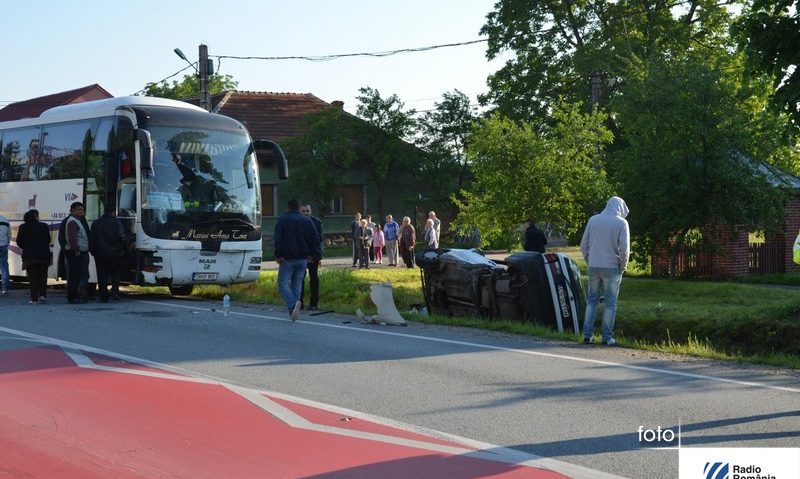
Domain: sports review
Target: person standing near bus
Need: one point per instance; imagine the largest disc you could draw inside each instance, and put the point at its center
(5, 240)
(77, 237)
(108, 248)
(313, 263)
(296, 241)
(33, 238)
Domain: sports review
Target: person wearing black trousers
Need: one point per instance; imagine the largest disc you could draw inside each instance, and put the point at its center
(313, 263)
(33, 238)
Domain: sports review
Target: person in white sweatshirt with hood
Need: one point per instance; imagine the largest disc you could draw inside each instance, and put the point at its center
(606, 246)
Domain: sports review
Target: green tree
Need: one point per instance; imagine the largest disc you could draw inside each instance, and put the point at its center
(683, 124)
(769, 33)
(320, 155)
(527, 171)
(444, 134)
(560, 46)
(189, 87)
(383, 152)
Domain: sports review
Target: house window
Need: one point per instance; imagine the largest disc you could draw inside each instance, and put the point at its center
(347, 200)
(267, 200)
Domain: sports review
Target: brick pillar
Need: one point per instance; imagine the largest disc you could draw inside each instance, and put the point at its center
(791, 225)
(660, 261)
(730, 251)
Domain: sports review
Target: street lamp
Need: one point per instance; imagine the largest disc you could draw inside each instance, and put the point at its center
(202, 73)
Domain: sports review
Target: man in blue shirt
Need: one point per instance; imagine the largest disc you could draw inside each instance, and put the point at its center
(296, 242)
(390, 229)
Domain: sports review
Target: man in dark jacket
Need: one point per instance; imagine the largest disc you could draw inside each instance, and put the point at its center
(313, 263)
(108, 248)
(535, 240)
(77, 244)
(296, 241)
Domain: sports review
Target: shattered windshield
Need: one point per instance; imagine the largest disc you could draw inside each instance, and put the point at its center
(201, 177)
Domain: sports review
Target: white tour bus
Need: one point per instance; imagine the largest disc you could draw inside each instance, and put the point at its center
(183, 182)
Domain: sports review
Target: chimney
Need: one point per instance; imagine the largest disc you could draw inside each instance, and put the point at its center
(338, 104)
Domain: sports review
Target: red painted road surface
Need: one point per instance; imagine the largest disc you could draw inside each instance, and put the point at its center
(83, 416)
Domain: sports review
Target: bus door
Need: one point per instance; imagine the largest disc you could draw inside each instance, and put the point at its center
(122, 189)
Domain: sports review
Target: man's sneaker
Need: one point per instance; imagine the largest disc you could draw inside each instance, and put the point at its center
(313, 307)
(296, 311)
(3, 292)
(610, 342)
(588, 340)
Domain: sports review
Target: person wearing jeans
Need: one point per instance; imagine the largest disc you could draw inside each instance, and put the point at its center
(603, 282)
(606, 248)
(296, 241)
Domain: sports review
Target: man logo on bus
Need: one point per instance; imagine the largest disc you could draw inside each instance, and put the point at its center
(69, 197)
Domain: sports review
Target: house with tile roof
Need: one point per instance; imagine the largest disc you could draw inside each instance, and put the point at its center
(35, 106)
(283, 116)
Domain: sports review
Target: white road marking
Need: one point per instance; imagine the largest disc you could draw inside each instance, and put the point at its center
(511, 350)
(472, 448)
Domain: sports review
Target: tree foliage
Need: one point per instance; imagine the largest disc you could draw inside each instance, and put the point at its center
(559, 46)
(680, 169)
(320, 155)
(189, 87)
(769, 33)
(522, 173)
(383, 152)
(443, 133)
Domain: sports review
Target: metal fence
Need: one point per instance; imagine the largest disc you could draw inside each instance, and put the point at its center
(765, 258)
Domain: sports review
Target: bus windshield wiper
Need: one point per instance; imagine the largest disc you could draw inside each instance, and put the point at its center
(240, 221)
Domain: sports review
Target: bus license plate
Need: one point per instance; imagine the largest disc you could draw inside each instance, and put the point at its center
(204, 276)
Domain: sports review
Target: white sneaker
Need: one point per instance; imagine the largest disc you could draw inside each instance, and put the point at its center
(296, 311)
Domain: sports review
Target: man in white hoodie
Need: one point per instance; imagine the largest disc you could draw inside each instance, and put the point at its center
(605, 246)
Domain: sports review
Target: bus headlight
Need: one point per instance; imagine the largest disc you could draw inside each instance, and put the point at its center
(255, 264)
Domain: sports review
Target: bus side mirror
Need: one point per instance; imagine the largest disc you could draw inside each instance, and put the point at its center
(282, 164)
(145, 150)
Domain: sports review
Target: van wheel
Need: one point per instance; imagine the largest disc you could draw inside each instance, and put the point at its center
(184, 290)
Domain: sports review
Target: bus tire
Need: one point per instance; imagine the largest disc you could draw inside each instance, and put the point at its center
(183, 290)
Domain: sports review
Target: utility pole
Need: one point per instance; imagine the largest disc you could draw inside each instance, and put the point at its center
(205, 98)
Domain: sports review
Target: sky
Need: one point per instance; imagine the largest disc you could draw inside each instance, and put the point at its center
(122, 46)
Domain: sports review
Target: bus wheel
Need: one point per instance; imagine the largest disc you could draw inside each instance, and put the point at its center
(184, 290)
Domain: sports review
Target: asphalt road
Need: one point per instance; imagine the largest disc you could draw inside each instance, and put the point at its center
(575, 404)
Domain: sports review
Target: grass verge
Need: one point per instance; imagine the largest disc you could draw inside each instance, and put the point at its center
(726, 321)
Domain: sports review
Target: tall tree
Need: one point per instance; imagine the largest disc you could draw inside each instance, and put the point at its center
(560, 46)
(320, 155)
(769, 33)
(524, 171)
(444, 134)
(189, 87)
(680, 169)
(384, 151)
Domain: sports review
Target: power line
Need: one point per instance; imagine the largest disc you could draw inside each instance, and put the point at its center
(167, 78)
(325, 58)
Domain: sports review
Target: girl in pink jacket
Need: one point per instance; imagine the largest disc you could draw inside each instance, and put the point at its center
(377, 244)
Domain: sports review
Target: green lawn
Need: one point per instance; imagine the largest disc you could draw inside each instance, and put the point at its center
(710, 319)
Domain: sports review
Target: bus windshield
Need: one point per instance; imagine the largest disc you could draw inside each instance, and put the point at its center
(204, 182)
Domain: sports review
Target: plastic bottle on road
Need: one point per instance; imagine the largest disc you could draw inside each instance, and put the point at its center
(226, 304)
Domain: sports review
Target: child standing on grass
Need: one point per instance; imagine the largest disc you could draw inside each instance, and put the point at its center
(377, 244)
